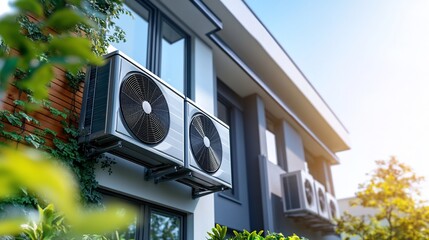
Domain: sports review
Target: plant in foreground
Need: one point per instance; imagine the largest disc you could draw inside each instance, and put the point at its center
(219, 233)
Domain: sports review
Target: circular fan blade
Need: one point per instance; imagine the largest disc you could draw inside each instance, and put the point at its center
(205, 143)
(333, 209)
(144, 108)
(308, 192)
(322, 202)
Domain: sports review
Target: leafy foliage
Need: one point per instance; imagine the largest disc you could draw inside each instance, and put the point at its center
(43, 35)
(393, 193)
(219, 233)
(28, 170)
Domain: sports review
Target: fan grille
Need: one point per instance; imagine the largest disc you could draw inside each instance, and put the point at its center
(333, 209)
(322, 202)
(308, 192)
(144, 108)
(205, 143)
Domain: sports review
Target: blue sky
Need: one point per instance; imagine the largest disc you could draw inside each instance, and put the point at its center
(369, 61)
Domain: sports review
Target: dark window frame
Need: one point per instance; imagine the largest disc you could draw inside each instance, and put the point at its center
(233, 105)
(153, 58)
(145, 209)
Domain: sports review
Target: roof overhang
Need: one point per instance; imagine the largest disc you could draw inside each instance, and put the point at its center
(230, 27)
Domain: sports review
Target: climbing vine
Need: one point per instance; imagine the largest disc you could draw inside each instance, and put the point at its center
(30, 113)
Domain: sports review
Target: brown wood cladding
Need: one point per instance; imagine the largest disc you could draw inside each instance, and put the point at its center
(61, 97)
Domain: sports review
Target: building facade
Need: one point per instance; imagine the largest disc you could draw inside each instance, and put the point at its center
(220, 56)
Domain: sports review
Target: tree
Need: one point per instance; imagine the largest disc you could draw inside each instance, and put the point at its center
(400, 213)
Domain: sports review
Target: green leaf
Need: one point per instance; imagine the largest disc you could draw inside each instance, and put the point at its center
(50, 131)
(76, 49)
(14, 120)
(11, 135)
(10, 32)
(19, 102)
(65, 19)
(31, 6)
(37, 81)
(7, 69)
(28, 118)
(57, 112)
(34, 140)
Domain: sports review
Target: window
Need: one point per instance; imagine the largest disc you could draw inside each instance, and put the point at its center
(224, 114)
(164, 226)
(136, 28)
(173, 50)
(152, 223)
(271, 141)
(156, 43)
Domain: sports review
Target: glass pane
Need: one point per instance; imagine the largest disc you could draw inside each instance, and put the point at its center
(271, 146)
(173, 57)
(163, 226)
(223, 112)
(130, 233)
(136, 34)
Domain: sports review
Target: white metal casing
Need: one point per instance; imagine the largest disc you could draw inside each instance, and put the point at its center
(298, 193)
(333, 208)
(199, 177)
(321, 200)
(102, 123)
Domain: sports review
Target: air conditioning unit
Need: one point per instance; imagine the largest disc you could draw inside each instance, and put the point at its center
(298, 194)
(321, 200)
(130, 112)
(207, 153)
(333, 209)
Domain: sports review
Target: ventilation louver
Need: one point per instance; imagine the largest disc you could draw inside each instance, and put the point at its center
(130, 112)
(298, 194)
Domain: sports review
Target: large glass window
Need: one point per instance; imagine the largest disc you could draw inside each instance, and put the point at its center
(173, 54)
(224, 114)
(136, 28)
(152, 222)
(130, 233)
(155, 42)
(165, 226)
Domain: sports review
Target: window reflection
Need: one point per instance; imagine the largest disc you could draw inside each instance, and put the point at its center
(164, 227)
(128, 233)
(172, 56)
(136, 34)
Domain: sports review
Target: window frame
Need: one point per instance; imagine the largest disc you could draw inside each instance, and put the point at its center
(154, 42)
(233, 193)
(144, 212)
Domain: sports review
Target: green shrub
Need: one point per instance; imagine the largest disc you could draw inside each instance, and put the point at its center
(219, 233)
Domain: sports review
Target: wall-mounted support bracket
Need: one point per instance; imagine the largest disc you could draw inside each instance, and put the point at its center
(91, 150)
(199, 192)
(165, 173)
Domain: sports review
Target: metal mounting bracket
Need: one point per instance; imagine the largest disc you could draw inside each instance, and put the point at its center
(199, 192)
(165, 173)
(91, 150)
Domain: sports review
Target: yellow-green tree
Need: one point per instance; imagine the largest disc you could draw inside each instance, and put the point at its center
(393, 191)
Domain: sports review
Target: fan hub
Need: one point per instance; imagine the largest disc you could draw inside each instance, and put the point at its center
(206, 142)
(147, 108)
